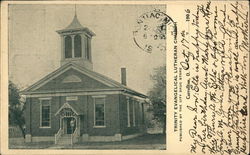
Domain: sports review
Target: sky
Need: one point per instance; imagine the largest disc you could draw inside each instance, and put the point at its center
(35, 47)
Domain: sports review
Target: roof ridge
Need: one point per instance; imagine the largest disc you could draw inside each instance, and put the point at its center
(108, 78)
(47, 76)
(92, 73)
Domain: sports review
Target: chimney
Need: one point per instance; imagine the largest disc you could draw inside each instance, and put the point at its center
(123, 76)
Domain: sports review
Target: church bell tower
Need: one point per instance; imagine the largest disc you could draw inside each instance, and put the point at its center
(76, 44)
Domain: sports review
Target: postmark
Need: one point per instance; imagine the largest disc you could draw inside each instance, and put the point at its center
(152, 30)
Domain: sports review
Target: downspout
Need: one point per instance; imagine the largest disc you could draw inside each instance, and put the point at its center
(119, 118)
(30, 111)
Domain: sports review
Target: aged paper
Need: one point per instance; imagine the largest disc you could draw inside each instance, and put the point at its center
(204, 45)
(210, 110)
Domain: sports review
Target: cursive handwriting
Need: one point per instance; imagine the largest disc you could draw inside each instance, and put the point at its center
(215, 58)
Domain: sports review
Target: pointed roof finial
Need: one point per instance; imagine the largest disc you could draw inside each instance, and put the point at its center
(75, 25)
(75, 9)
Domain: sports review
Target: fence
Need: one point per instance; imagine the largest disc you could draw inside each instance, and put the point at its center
(15, 132)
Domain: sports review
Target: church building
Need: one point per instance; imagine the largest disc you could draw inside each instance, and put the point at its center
(76, 104)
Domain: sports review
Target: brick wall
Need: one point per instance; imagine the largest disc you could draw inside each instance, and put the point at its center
(111, 117)
(125, 130)
(36, 129)
(32, 116)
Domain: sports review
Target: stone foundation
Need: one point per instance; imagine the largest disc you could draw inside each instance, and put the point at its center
(28, 138)
(84, 138)
(43, 139)
(116, 137)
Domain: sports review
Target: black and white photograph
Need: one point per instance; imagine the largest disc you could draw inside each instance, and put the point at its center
(87, 76)
(124, 77)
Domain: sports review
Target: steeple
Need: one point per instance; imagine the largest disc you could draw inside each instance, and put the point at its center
(75, 24)
(76, 44)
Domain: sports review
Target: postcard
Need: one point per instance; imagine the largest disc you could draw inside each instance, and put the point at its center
(125, 77)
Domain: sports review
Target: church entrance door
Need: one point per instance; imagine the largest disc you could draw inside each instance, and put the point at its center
(70, 125)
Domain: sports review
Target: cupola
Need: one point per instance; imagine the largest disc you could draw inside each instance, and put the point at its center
(76, 44)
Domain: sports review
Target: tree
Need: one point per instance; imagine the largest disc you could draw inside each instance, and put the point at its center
(16, 108)
(157, 96)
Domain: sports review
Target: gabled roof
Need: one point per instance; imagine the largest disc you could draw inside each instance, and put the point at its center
(75, 107)
(99, 77)
(75, 25)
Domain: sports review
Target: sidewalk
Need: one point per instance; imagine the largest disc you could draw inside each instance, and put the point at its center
(145, 142)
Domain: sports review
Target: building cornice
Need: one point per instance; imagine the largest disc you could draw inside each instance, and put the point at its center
(82, 93)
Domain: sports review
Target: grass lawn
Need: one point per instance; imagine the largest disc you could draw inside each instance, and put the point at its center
(33, 145)
(148, 141)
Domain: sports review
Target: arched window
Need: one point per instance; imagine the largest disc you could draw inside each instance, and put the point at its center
(78, 46)
(68, 47)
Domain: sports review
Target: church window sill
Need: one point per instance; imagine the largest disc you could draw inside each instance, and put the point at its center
(99, 127)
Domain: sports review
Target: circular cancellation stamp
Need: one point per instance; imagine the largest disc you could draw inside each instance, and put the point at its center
(151, 31)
